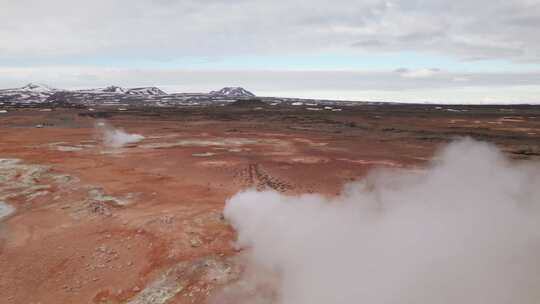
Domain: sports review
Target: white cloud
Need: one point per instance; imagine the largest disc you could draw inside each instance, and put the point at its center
(418, 73)
(161, 29)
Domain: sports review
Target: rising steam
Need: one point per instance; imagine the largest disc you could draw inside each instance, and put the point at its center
(464, 231)
(116, 138)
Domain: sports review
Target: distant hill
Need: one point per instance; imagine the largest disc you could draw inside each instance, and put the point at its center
(232, 92)
(130, 91)
(30, 93)
(37, 87)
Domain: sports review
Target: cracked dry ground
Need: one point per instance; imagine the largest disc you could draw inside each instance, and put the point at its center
(83, 223)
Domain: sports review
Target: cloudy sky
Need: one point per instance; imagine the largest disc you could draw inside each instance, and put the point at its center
(411, 50)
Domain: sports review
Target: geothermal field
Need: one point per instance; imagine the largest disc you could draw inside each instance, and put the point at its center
(254, 202)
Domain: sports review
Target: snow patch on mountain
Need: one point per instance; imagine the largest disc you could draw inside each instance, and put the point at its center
(114, 89)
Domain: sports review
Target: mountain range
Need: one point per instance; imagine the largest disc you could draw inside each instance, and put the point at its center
(40, 93)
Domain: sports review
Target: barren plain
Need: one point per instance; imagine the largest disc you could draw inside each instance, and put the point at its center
(82, 222)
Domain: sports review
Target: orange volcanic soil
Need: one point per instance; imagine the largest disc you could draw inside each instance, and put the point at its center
(143, 223)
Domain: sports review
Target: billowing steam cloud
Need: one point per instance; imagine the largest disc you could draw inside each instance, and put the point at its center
(466, 230)
(116, 138)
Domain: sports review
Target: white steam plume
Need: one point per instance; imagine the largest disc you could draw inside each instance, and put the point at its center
(464, 231)
(116, 138)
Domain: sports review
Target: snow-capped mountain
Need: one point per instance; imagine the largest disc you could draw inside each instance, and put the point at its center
(30, 93)
(233, 92)
(145, 91)
(130, 91)
(37, 87)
